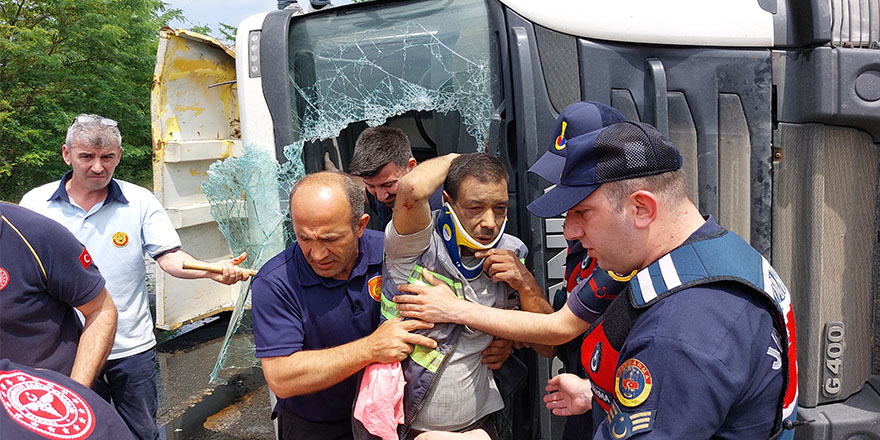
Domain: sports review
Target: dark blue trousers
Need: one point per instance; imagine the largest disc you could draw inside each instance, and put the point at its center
(129, 384)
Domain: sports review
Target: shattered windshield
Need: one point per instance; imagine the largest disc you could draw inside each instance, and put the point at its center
(383, 60)
(351, 65)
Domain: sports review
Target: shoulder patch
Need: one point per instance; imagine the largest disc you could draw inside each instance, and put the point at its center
(375, 286)
(623, 425)
(4, 278)
(633, 382)
(85, 258)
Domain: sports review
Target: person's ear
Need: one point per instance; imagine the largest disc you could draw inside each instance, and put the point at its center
(65, 153)
(410, 164)
(446, 198)
(362, 224)
(643, 205)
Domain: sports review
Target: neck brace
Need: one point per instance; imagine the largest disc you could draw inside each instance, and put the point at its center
(454, 235)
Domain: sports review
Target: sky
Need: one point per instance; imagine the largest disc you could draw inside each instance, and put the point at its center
(212, 12)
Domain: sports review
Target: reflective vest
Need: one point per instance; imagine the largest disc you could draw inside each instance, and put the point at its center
(719, 257)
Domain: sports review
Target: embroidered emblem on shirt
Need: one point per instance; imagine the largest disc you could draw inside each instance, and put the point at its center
(633, 382)
(375, 286)
(4, 278)
(85, 259)
(623, 425)
(120, 239)
(596, 358)
(46, 408)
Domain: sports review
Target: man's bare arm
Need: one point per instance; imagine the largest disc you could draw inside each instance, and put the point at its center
(172, 263)
(309, 371)
(412, 211)
(96, 339)
(439, 304)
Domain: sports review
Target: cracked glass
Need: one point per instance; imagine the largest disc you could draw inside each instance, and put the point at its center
(365, 63)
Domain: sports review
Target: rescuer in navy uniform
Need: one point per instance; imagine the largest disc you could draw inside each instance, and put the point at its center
(701, 343)
(581, 271)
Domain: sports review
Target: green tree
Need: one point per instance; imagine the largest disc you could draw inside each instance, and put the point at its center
(60, 58)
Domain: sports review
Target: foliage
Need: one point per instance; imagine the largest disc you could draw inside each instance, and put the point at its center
(227, 32)
(59, 58)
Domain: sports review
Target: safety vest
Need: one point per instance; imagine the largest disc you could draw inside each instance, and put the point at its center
(719, 257)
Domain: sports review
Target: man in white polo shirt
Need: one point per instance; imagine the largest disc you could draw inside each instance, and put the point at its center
(118, 222)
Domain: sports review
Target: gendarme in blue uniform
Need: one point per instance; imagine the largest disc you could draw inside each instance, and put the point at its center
(296, 309)
(44, 273)
(706, 361)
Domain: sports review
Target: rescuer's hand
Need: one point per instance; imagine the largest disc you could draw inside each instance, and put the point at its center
(231, 272)
(496, 353)
(435, 303)
(505, 267)
(392, 341)
(569, 395)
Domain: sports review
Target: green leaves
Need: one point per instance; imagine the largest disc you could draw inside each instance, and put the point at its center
(60, 58)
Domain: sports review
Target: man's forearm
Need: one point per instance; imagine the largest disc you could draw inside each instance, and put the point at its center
(424, 180)
(96, 339)
(172, 263)
(518, 325)
(309, 371)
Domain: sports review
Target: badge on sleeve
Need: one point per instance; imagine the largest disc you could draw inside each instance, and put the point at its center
(85, 258)
(375, 286)
(4, 278)
(623, 425)
(633, 382)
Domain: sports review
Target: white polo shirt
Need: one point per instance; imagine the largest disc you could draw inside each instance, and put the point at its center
(117, 232)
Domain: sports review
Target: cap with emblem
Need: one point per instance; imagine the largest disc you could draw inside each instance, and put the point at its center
(625, 150)
(575, 120)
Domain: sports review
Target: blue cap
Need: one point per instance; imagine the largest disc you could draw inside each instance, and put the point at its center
(576, 119)
(625, 150)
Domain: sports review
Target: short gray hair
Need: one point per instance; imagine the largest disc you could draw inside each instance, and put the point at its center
(353, 192)
(94, 130)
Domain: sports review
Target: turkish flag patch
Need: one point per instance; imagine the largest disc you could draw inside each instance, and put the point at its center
(85, 258)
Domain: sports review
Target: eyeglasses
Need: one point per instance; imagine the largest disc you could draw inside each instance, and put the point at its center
(85, 119)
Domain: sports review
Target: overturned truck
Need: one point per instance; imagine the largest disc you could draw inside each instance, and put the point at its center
(775, 105)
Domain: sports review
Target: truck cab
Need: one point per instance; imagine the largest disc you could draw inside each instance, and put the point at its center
(774, 104)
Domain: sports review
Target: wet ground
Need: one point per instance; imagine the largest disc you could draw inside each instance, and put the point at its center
(190, 407)
(245, 419)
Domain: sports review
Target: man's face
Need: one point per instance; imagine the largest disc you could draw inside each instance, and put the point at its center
(92, 166)
(326, 236)
(383, 186)
(481, 208)
(608, 235)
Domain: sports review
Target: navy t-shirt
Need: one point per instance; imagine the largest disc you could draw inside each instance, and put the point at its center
(40, 404)
(296, 309)
(701, 363)
(44, 273)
